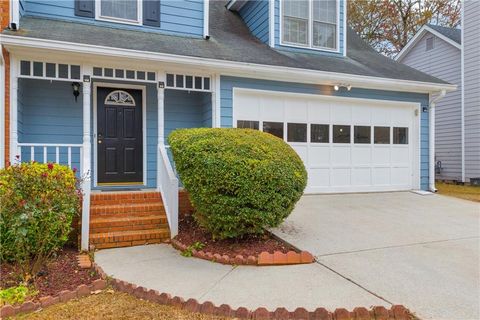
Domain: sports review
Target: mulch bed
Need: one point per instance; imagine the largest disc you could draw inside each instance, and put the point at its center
(61, 273)
(189, 233)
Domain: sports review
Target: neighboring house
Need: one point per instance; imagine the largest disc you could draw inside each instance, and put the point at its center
(439, 52)
(100, 84)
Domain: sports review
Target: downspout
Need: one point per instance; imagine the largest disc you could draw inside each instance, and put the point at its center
(206, 19)
(431, 140)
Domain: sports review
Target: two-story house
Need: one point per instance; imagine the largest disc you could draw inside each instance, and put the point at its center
(453, 55)
(99, 85)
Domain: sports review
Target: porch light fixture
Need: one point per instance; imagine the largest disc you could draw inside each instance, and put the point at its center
(76, 90)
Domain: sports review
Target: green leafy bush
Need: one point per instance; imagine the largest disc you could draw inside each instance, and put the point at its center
(37, 205)
(15, 295)
(240, 181)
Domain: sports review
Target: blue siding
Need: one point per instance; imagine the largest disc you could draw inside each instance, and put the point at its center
(185, 109)
(277, 32)
(226, 103)
(177, 17)
(256, 16)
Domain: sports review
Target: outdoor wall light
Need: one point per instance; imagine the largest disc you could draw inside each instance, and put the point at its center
(341, 85)
(76, 90)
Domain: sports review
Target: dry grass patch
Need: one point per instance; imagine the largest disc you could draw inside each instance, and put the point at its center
(114, 305)
(464, 192)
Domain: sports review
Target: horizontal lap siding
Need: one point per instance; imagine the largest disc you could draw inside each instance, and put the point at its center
(443, 62)
(227, 84)
(180, 17)
(472, 89)
(277, 27)
(256, 16)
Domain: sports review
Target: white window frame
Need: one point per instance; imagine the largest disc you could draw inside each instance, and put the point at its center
(310, 31)
(100, 17)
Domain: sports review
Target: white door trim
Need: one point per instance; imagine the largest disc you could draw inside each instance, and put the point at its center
(143, 88)
(415, 157)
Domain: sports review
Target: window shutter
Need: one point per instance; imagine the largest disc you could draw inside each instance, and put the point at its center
(151, 13)
(85, 8)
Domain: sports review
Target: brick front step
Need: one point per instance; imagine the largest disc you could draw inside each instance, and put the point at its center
(120, 209)
(129, 238)
(122, 219)
(112, 224)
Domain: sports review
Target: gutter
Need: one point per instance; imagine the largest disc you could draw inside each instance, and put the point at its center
(431, 140)
(233, 68)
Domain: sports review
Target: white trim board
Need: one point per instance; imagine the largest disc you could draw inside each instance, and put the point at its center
(144, 126)
(92, 53)
(419, 36)
(415, 121)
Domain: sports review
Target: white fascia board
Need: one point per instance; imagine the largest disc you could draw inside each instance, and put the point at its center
(419, 36)
(233, 68)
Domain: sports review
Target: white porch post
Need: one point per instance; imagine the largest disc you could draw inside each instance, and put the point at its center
(216, 96)
(86, 160)
(161, 107)
(431, 149)
(13, 108)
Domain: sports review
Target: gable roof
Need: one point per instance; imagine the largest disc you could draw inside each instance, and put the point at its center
(450, 35)
(230, 40)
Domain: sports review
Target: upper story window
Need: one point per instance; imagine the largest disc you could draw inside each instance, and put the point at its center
(429, 44)
(310, 23)
(126, 11)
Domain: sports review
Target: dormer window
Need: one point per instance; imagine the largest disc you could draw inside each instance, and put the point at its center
(126, 11)
(310, 23)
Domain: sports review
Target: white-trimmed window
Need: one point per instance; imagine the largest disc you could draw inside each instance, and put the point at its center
(126, 11)
(310, 23)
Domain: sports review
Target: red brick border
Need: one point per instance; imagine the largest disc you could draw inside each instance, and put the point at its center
(64, 296)
(263, 259)
(396, 312)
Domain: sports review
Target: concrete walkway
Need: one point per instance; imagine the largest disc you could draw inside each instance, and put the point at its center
(162, 268)
(419, 251)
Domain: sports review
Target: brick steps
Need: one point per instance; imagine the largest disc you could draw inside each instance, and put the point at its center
(122, 219)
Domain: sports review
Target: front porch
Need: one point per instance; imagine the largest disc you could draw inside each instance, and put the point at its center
(110, 124)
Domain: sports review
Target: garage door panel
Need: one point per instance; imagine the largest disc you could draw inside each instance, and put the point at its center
(318, 112)
(381, 176)
(296, 111)
(341, 156)
(340, 167)
(341, 114)
(381, 155)
(361, 155)
(361, 176)
(319, 156)
(340, 177)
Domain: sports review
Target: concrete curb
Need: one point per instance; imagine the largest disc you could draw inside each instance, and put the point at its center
(263, 259)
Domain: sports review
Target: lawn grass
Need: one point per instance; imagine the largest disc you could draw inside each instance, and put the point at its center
(114, 305)
(464, 192)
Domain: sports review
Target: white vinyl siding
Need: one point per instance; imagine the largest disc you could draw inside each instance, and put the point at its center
(472, 88)
(443, 61)
(310, 23)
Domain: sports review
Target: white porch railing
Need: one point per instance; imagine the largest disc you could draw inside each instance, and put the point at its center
(65, 154)
(168, 185)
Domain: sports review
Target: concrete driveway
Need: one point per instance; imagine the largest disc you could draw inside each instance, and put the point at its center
(421, 251)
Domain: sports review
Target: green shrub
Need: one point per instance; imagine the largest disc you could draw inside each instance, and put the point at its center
(37, 205)
(240, 181)
(15, 295)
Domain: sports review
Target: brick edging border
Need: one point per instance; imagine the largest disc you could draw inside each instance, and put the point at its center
(64, 296)
(396, 312)
(263, 259)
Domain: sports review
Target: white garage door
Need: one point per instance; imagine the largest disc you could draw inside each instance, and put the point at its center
(347, 145)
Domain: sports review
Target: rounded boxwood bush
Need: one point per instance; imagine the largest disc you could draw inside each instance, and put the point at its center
(37, 205)
(240, 181)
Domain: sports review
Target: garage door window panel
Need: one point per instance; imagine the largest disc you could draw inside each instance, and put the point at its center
(381, 135)
(296, 132)
(319, 133)
(362, 134)
(400, 135)
(247, 124)
(274, 128)
(341, 134)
